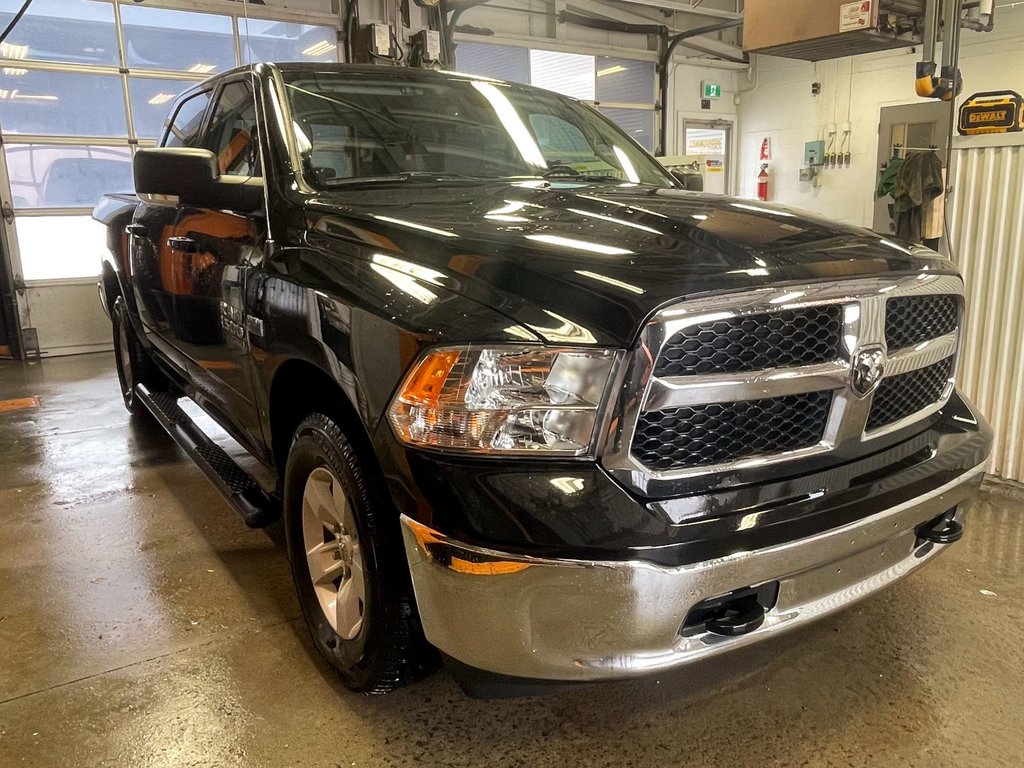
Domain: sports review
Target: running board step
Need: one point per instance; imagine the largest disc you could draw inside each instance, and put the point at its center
(241, 491)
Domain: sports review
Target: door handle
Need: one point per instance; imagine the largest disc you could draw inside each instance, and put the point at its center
(135, 230)
(183, 244)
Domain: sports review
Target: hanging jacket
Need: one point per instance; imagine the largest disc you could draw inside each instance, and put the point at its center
(918, 181)
(887, 179)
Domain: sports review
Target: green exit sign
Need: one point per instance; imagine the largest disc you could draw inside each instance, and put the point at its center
(710, 90)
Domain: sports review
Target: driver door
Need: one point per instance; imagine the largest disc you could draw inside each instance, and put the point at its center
(212, 254)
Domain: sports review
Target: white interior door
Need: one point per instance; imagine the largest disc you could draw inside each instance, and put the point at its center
(710, 142)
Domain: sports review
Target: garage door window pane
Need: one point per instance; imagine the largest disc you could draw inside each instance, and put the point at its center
(66, 177)
(625, 80)
(287, 41)
(177, 40)
(78, 31)
(568, 73)
(151, 103)
(638, 123)
(61, 104)
(55, 247)
(502, 62)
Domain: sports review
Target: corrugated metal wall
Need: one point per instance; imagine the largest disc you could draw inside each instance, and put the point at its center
(987, 230)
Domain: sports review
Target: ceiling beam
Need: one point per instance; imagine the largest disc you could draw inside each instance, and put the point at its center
(713, 47)
(618, 12)
(681, 6)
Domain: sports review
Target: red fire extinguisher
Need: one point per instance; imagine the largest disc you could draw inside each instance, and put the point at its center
(762, 183)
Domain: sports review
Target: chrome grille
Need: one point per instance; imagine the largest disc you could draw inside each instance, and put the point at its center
(754, 342)
(717, 385)
(705, 435)
(901, 396)
(909, 320)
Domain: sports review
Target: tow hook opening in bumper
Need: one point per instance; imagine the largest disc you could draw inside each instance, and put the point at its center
(737, 613)
(943, 529)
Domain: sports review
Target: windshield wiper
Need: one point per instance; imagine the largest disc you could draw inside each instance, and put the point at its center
(565, 171)
(415, 176)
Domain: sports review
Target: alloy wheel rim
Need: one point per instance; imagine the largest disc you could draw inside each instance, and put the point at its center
(333, 553)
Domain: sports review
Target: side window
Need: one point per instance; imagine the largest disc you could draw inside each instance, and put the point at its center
(232, 132)
(183, 128)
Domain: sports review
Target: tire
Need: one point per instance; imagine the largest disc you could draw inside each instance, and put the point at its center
(341, 549)
(134, 365)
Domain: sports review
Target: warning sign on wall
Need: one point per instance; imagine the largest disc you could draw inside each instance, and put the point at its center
(855, 15)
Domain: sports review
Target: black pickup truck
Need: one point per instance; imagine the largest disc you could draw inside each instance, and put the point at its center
(519, 397)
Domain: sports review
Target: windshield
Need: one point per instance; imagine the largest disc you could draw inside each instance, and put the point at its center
(352, 127)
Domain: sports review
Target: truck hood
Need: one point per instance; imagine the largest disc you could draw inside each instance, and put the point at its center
(588, 263)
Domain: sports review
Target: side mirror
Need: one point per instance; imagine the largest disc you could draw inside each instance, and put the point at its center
(193, 176)
(692, 182)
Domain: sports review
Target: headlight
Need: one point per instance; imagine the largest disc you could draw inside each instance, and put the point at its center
(504, 399)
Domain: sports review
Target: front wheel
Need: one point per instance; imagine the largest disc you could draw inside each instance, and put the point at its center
(349, 572)
(134, 365)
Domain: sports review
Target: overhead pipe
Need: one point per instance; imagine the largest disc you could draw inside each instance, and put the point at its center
(609, 25)
(932, 82)
(666, 59)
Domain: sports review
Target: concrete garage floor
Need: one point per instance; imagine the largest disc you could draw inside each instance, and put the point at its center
(141, 624)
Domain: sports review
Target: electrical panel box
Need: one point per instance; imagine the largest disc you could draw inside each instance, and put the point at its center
(814, 153)
(371, 44)
(429, 44)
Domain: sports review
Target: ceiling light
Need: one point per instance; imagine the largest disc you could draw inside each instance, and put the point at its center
(202, 69)
(33, 97)
(318, 49)
(611, 70)
(161, 98)
(11, 51)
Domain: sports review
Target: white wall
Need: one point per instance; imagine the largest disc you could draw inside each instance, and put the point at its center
(782, 108)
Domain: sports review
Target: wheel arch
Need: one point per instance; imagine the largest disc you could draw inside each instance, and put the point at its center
(299, 388)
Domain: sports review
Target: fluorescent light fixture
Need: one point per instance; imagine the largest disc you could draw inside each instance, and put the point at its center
(160, 98)
(579, 245)
(11, 51)
(612, 281)
(512, 123)
(318, 49)
(613, 220)
(627, 166)
(202, 69)
(17, 96)
(611, 70)
(414, 225)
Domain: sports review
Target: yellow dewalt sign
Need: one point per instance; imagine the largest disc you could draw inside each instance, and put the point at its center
(992, 112)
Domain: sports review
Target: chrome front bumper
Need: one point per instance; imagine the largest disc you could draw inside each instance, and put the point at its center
(583, 620)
